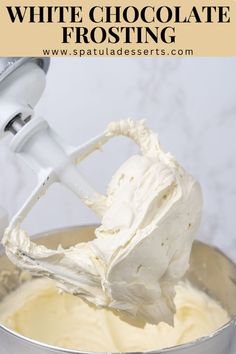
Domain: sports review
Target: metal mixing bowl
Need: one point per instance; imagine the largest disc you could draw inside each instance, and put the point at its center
(210, 270)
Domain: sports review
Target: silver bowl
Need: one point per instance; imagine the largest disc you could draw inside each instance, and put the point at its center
(210, 270)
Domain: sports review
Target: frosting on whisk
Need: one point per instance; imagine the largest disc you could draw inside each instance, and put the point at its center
(150, 216)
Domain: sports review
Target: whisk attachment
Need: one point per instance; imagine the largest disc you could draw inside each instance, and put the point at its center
(22, 82)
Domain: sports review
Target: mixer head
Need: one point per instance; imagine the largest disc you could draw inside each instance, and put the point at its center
(22, 81)
(10, 64)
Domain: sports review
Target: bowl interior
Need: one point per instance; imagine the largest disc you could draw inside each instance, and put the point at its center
(210, 270)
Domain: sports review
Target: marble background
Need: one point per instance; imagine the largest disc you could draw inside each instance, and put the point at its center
(190, 102)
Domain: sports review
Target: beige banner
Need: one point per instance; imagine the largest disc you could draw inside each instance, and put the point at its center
(118, 28)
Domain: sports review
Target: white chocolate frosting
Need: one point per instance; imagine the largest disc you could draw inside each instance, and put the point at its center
(150, 216)
(38, 311)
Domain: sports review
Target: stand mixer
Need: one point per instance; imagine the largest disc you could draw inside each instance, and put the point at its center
(22, 81)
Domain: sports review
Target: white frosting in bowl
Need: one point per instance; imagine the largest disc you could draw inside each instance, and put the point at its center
(38, 311)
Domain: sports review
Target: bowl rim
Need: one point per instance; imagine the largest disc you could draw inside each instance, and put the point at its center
(56, 349)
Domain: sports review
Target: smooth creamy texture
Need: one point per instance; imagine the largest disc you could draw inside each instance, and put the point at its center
(38, 311)
(150, 216)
